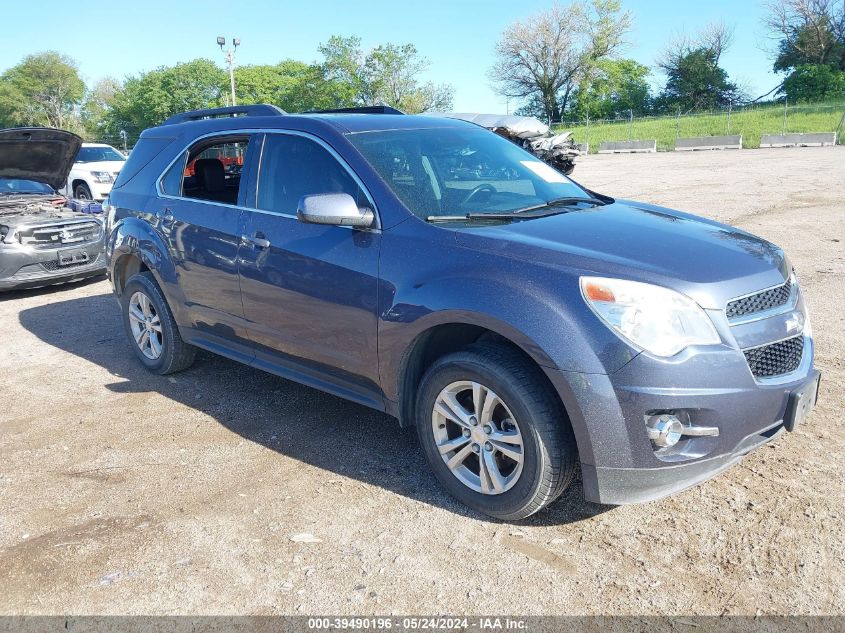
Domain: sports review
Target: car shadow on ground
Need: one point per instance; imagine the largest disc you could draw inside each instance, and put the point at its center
(297, 421)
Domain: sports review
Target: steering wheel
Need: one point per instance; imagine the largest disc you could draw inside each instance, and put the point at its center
(477, 190)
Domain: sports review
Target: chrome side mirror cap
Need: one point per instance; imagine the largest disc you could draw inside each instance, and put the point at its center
(336, 209)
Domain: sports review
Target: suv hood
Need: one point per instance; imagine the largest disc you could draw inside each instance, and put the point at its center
(41, 154)
(706, 260)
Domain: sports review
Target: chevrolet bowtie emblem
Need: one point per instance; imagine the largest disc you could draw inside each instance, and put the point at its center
(795, 323)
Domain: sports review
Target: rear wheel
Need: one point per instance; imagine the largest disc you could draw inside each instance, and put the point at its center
(494, 433)
(151, 328)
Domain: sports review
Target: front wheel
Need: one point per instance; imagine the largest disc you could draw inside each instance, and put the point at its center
(494, 433)
(82, 192)
(151, 328)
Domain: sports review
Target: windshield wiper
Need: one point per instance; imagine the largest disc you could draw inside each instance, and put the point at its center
(562, 202)
(493, 215)
(552, 207)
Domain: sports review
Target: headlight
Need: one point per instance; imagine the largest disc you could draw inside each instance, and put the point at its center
(652, 318)
(102, 176)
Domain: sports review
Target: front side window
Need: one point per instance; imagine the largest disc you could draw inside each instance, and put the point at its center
(455, 171)
(294, 166)
(213, 170)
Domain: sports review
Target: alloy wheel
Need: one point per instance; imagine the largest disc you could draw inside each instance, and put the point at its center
(145, 324)
(477, 437)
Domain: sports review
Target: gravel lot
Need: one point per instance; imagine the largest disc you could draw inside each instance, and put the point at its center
(123, 492)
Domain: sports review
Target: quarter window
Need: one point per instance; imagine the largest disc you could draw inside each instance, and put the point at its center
(294, 166)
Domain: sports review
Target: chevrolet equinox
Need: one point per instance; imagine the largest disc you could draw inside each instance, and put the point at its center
(428, 268)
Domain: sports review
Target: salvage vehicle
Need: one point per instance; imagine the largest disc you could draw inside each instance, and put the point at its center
(96, 167)
(42, 241)
(522, 323)
(558, 150)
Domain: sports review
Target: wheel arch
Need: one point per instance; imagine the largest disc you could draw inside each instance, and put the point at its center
(134, 246)
(448, 335)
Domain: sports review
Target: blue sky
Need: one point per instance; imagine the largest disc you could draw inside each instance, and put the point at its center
(457, 36)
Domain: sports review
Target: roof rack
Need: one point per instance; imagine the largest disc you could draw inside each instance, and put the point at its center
(261, 109)
(376, 109)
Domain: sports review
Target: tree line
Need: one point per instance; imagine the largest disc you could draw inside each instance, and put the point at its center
(45, 89)
(564, 63)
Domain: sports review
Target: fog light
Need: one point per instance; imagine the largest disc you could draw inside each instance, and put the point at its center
(664, 430)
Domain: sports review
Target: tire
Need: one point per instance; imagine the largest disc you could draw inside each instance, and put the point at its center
(171, 353)
(82, 192)
(528, 409)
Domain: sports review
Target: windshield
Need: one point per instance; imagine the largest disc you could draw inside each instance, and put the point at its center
(456, 171)
(19, 185)
(96, 154)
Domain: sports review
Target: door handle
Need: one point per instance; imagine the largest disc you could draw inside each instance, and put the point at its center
(257, 239)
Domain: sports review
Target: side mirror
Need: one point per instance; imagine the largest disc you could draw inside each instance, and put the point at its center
(337, 209)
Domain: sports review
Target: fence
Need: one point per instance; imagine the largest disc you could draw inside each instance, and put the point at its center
(750, 121)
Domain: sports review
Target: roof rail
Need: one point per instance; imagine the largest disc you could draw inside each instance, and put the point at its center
(260, 109)
(376, 109)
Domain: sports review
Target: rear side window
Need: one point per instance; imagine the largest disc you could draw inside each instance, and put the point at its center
(294, 166)
(213, 170)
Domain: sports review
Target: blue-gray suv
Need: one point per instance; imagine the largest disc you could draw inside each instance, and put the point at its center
(433, 270)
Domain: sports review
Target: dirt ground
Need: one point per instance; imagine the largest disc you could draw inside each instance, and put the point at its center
(123, 492)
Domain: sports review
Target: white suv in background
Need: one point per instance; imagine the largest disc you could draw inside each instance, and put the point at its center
(95, 170)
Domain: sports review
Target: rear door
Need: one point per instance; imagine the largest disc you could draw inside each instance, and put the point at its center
(310, 291)
(199, 217)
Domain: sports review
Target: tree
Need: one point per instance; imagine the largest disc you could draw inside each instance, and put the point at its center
(292, 85)
(390, 76)
(808, 32)
(613, 87)
(341, 69)
(387, 75)
(694, 79)
(149, 98)
(814, 82)
(44, 89)
(811, 47)
(543, 59)
(95, 108)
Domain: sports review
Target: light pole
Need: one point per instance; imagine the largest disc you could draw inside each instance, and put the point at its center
(230, 60)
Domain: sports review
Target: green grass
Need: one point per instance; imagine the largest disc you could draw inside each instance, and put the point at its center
(751, 122)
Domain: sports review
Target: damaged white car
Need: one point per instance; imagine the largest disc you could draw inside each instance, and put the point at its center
(557, 150)
(42, 241)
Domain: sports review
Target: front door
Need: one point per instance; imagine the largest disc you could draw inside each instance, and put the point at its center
(310, 291)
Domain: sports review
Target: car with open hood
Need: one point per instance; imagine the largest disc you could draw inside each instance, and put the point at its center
(42, 241)
(526, 325)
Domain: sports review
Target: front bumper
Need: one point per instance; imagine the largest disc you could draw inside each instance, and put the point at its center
(22, 267)
(712, 386)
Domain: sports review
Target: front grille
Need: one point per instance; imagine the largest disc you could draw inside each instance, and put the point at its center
(760, 302)
(775, 359)
(61, 234)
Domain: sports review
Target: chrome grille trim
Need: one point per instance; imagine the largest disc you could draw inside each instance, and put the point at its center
(61, 234)
(764, 303)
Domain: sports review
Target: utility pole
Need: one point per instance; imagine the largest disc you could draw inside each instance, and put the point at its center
(123, 136)
(230, 60)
